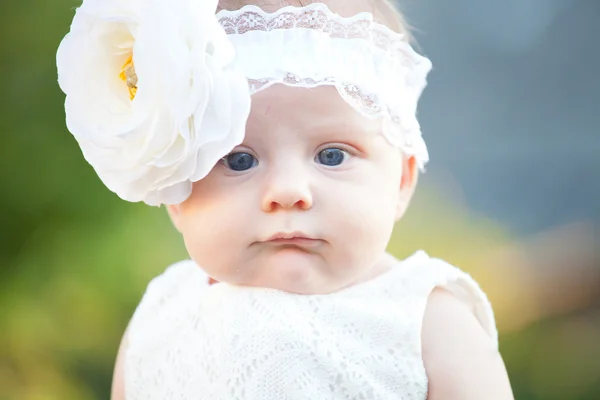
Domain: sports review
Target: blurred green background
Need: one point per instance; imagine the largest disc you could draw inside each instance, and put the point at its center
(75, 259)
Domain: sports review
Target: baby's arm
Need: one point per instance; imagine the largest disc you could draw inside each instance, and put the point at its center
(118, 388)
(461, 359)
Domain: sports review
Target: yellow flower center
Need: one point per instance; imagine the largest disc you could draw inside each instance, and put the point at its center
(128, 76)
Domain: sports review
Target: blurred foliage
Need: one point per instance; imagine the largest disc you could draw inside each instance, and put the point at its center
(76, 259)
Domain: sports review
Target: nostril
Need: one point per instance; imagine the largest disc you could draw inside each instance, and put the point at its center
(276, 205)
(301, 204)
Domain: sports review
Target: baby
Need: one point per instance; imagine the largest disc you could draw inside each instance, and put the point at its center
(284, 164)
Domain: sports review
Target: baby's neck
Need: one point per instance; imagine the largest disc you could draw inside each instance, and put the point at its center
(381, 266)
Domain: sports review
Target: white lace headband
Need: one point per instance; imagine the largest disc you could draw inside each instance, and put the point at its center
(158, 91)
(373, 69)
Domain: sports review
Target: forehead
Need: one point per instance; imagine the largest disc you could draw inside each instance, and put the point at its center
(317, 109)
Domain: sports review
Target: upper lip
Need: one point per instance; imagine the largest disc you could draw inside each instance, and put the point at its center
(289, 236)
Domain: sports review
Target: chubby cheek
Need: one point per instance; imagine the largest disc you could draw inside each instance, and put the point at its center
(212, 228)
(210, 243)
(364, 219)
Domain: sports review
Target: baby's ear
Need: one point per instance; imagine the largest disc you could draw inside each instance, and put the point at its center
(175, 213)
(410, 176)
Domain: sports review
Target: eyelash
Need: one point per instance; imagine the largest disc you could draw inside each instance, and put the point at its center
(347, 150)
(352, 152)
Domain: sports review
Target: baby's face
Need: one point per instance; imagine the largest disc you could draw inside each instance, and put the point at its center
(306, 204)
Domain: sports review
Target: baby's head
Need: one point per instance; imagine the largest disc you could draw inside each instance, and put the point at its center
(308, 201)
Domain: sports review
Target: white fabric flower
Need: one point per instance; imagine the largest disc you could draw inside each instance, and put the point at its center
(153, 97)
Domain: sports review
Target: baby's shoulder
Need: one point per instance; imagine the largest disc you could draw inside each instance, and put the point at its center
(175, 276)
(167, 298)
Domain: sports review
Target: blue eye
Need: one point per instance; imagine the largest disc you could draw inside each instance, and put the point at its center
(331, 157)
(240, 161)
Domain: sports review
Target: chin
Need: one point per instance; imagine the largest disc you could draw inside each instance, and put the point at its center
(293, 270)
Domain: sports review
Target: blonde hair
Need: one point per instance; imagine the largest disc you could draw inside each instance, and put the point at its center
(384, 11)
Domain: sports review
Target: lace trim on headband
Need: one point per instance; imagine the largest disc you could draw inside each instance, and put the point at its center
(317, 16)
(366, 104)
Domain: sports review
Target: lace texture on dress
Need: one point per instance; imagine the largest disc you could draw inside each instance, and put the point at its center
(189, 340)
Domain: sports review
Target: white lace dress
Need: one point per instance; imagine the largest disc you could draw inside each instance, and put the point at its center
(189, 340)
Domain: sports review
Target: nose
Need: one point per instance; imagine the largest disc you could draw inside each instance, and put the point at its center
(287, 189)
